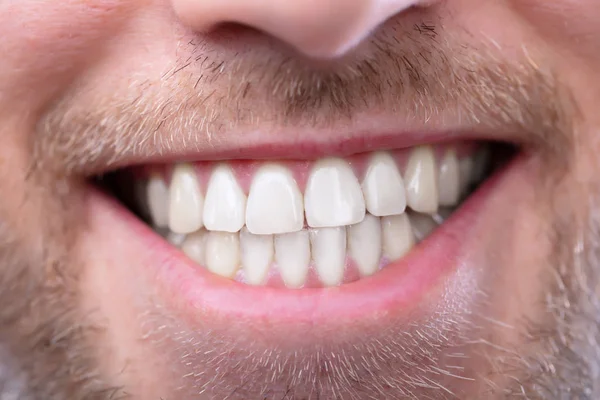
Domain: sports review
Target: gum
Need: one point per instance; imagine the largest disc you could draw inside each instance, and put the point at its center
(244, 170)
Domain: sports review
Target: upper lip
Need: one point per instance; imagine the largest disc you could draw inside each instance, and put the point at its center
(286, 143)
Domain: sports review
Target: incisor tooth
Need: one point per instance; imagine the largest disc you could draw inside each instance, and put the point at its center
(449, 180)
(185, 200)
(398, 237)
(223, 253)
(421, 180)
(157, 195)
(333, 196)
(257, 255)
(225, 202)
(328, 247)
(383, 186)
(292, 254)
(194, 246)
(364, 244)
(275, 203)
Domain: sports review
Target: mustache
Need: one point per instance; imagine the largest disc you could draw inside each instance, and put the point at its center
(417, 71)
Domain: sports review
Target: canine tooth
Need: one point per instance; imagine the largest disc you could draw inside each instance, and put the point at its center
(383, 186)
(449, 179)
(422, 225)
(465, 169)
(292, 254)
(275, 203)
(333, 196)
(364, 244)
(185, 200)
(398, 237)
(194, 246)
(328, 247)
(421, 180)
(257, 255)
(157, 197)
(225, 202)
(223, 253)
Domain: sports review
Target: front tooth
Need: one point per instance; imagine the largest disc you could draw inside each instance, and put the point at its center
(185, 200)
(157, 195)
(421, 180)
(329, 253)
(274, 203)
(398, 237)
(383, 187)
(422, 225)
(225, 202)
(223, 253)
(257, 255)
(194, 245)
(333, 196)
(449, 180)
(364, 244)
(292, 254)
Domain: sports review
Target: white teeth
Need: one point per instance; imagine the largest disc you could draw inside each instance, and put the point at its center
(333, 196)
(364, 244)
(157, 195)
(292, 254)
(449, 180)
(194, 246)
(257, 255)
(422, 225)
(398, 237)
(242, 237)
(185, 200)
(274, 203)
(383, 187)
(225, 202)
(329, 254)
(223, 253)
(421, 180)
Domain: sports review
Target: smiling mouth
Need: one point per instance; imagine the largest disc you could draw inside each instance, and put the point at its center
(306, 224)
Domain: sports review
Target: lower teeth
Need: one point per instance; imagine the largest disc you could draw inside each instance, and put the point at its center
(311, 257)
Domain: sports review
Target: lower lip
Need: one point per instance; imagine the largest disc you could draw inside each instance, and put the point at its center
(402, 285)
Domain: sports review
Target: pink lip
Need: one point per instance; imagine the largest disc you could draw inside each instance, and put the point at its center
(284, 145)
(400, 286)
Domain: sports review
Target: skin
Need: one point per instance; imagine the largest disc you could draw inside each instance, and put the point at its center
(82, 88)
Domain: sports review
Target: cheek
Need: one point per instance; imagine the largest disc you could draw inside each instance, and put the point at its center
(45, 41)
(572, 24)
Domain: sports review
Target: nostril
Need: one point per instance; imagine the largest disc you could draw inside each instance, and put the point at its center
(316, 28)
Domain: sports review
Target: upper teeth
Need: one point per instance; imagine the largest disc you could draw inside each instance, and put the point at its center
(262, 221)
(333, 196)
(275, 204)
(225, 203)
(185, 201)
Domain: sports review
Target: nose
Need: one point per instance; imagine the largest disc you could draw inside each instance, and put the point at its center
(317, 28)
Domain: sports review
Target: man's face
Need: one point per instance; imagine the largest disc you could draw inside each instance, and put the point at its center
(338, 199)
